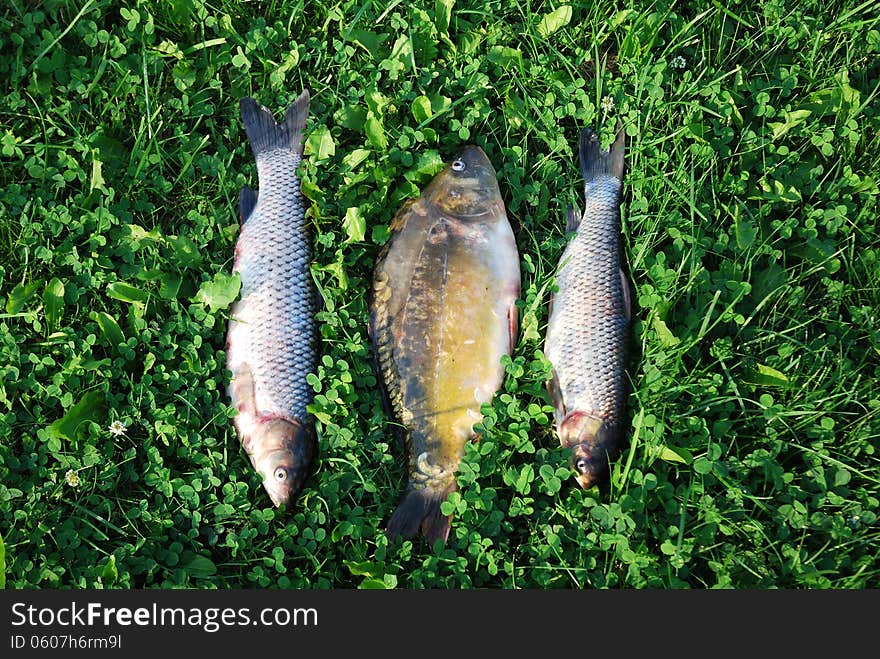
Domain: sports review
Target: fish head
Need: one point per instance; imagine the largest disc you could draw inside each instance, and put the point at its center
(287, 451)
(467, 187)
(592, 442)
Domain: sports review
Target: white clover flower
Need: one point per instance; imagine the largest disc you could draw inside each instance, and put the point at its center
(117, 428)
(679, 62)
(72, 478)
(607, 103)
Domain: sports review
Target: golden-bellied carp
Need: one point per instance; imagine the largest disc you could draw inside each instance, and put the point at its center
(271, 340)
(587, 331)
(442, 316)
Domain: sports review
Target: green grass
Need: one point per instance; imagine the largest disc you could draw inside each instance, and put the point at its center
(750, 222)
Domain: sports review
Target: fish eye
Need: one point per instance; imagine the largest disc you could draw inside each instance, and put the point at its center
(581, 465)
(280, 474)
(459, 166)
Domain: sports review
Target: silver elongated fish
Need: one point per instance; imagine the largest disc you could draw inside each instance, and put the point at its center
(271, 339)
(587, 331)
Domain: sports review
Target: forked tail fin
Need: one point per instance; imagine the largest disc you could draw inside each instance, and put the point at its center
(421, 509)
(266, 135)
(594, 161)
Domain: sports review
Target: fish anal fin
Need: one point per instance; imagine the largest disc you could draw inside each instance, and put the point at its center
(247, 200)
(627, 295)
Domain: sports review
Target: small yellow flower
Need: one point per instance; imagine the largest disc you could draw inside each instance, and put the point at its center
(117, 428)
(72, 478)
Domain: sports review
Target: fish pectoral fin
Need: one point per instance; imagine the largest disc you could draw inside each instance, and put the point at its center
(402, 215)
(627, 295)
(555, 391)
(572, 219)
(247, 200)
(243, 389)
(512, 326)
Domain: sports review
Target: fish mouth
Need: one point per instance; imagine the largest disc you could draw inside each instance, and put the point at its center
(467, 188)
(279, 499)
(475, 155)
(591, 469)
(285, 468)
(470, 216)
(281, 493)
(593, 443)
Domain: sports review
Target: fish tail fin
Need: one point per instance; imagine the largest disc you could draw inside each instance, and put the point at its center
(594, 161)
(421, 509)
(266, 135)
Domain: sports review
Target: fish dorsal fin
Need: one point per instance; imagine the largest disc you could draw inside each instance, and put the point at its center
(572, 219)
(247, 199)
(627, 295)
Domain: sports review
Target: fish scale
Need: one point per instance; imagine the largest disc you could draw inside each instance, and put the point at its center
(271, 340)
(589, 319)
(276, 293)
(588, 314)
